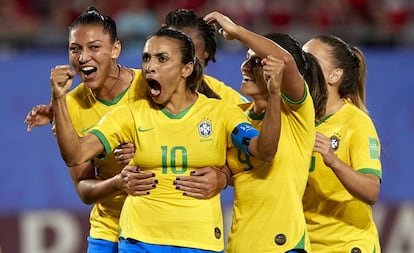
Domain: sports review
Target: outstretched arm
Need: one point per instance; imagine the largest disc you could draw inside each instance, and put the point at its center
(74, 150)
(292, 82)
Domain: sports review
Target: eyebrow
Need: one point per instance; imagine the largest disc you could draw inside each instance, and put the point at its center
(90, 42)
(156, 55)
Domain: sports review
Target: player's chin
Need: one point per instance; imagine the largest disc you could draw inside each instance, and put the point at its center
(91, 84)
(158, 99)
(248, 88)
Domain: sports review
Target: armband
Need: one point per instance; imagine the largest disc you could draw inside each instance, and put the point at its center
(241, 136)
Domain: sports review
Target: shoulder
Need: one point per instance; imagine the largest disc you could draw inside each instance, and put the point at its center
(136, 71)
(138, 78)
(357, 120)
(139, 86)
(355, 114)
(305, 98)
(143, 102)
(212, 81)
(80, 89)
(80, 94)
(225, 91)
(216, 104)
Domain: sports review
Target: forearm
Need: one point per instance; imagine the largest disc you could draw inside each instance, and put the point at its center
(93, 191)
(261, 45)
(90, 189)
(268, 140)
(67, 138)
(362, 186)
(292, 83)
(74, 149)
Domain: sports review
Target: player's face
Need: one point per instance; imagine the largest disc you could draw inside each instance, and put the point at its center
(199, 43)
(163, 69)
(92, 54)
(253, 82)
(321, 51)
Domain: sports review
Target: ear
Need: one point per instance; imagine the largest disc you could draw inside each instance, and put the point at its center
(116, 49)
(187, 70)
(335, 75)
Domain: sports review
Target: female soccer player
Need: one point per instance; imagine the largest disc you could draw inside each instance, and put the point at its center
(268, 213)
(175, 131)
(345, 175)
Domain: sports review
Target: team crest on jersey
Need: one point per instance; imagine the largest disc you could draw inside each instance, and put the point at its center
(205, 128)
(334, 142)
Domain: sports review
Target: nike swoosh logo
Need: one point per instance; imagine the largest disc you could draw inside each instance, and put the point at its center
(144, 130)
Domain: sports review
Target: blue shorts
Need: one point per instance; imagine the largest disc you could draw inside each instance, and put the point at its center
(101, 246)
(129, 245)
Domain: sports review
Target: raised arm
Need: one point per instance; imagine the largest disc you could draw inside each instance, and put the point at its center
(75, 150)
(265, 145)
(274, 61)
(292, 82)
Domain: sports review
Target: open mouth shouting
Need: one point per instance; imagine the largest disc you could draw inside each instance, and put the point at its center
(154, 86)
(89, 72)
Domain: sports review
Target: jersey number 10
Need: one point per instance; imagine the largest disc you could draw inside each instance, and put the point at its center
(172, 157)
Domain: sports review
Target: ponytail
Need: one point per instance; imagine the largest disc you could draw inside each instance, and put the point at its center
(358, 97)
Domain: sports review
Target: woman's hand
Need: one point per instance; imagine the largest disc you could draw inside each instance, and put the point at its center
(203, 183)
(40, 115)
(124, 153)
(61, 79)
(137, 183)
(323, 146)
(228, 27)
(273, 73)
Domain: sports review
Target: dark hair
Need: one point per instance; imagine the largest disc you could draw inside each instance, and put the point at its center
(309, 68)
(187, 51)
(182, 18)
(92, 16)
(352, 61)
(203, 88)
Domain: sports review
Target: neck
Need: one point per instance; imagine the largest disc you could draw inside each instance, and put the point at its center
(334, 104)
(179, 102)
(259, 106)
(110, 94)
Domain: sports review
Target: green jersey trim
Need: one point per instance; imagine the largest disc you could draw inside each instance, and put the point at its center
(371, 171)
(116, 99)
(104, 141)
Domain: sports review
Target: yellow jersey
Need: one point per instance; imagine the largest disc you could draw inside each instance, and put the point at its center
(337, 221)
(85, 112)
(173, 145)
(268, 212)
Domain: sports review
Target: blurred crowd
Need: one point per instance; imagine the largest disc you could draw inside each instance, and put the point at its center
(43, 23)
